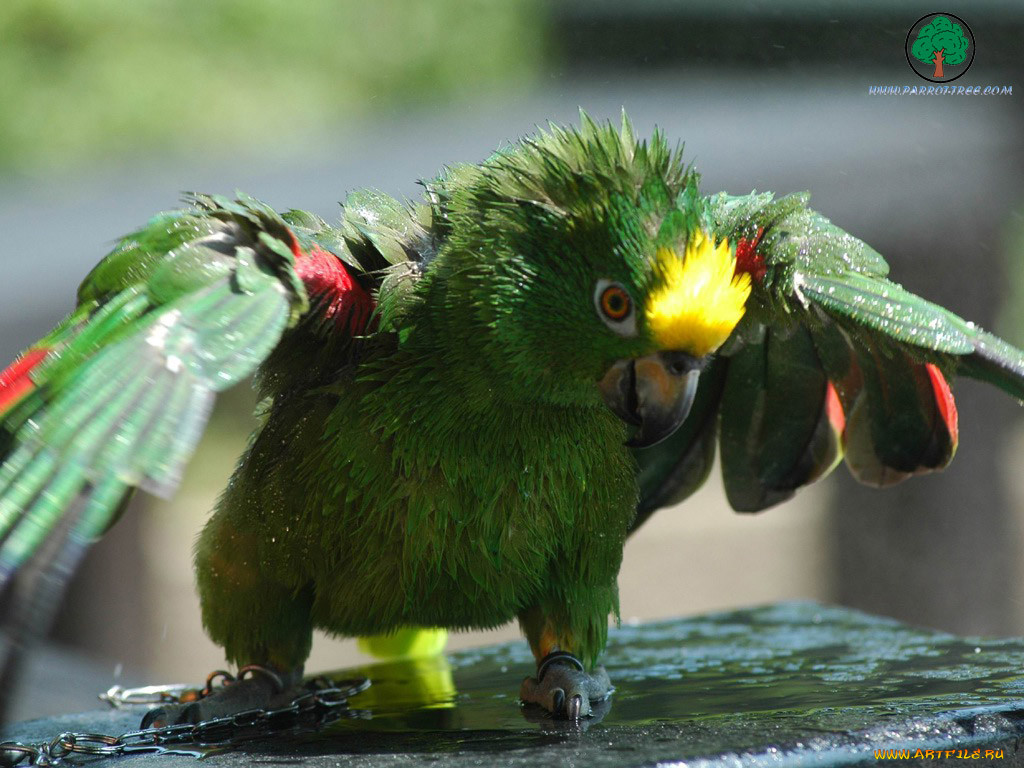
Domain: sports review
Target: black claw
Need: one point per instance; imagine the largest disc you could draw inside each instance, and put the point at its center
(575, 707)
(558, 700)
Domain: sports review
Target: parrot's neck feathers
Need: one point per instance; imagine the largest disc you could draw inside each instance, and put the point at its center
(700, 299)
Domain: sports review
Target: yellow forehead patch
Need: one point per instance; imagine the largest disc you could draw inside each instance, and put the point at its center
(697, 300)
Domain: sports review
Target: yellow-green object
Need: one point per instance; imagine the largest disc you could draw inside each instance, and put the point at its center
(406, 643)
(413, 683)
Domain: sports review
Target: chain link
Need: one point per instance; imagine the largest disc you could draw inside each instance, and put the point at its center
(324, 701)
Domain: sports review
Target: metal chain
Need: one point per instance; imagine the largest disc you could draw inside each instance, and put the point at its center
(323, 702)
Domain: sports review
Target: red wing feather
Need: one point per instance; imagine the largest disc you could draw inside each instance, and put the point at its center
(944, 402)
(15, 381)
(345, 303)
(748, 259)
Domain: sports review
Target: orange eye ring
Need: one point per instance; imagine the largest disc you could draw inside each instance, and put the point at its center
(615, 302)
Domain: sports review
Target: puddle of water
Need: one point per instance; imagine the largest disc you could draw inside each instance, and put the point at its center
(779, 675)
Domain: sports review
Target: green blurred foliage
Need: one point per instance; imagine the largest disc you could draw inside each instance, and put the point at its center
(83, 79)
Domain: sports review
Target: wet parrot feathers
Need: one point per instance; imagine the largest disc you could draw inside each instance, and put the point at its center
(448, 386)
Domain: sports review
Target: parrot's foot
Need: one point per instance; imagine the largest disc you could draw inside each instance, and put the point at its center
(262, 688)
(564, 688)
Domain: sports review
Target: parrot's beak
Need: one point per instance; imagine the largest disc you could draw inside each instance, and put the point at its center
(653, 392)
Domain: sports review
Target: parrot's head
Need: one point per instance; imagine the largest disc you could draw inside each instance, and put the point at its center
(588, 262)
(687, 308)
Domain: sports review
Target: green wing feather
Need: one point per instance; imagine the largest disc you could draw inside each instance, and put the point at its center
(832, 360)
(775, 430)
(896, 427)
(116, 397)
(184, 308)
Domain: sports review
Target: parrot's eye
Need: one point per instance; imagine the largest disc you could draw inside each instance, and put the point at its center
(615, 307)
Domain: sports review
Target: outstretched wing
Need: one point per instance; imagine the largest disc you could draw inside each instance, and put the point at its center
(832, 361)
(116, 397)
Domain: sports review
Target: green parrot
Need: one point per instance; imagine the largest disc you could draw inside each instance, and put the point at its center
(468, 403)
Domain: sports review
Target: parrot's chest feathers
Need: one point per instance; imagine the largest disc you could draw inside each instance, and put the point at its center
(475, 514)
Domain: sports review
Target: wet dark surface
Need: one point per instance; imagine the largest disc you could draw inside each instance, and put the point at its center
(790, 684)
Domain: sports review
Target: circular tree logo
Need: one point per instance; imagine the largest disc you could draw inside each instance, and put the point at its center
(940, 47)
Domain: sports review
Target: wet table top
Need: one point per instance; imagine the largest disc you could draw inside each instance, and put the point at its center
(788, 684)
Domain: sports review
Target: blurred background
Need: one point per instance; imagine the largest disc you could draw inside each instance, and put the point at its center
(110, 109)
